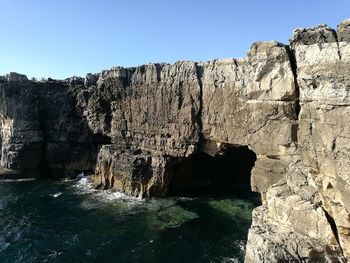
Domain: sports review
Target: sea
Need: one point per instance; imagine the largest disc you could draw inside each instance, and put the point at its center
(70, 221)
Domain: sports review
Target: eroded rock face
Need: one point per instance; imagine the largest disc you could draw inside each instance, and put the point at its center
(133, 171)
(306, 214)
(248, 100)
(292, 225)
(21, 138)
(158, 108)
(42, 130)
(324, 81)
(132, 127)
(153, 109)
(343, 31)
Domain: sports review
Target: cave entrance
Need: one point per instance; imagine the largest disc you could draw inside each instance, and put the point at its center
(226, 171)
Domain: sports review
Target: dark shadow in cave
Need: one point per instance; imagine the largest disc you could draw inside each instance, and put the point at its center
(226, 173)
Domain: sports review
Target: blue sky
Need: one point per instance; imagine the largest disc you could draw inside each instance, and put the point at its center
(61, 38)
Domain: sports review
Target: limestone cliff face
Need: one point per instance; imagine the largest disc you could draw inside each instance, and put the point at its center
(151, 115)
(21, 137)
(306, 215)
(248, 100)
(135, 129)
(324, 81)
(42, 129)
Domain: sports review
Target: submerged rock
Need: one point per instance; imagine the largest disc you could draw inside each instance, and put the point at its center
(170, 217)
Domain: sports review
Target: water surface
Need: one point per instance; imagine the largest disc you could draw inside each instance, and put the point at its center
(45, 221)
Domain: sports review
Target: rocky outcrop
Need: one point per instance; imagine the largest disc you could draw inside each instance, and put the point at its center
(324, 81)
(150, 114)
(21, 138)
(42, 130)
(157, 110)
(306, 214)
(138, 129)
(247, 100)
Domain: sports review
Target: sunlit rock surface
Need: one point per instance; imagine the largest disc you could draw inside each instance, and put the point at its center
(306, 215)
(324, 138)
(136, 129)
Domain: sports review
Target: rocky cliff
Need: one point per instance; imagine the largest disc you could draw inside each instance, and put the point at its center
(140, 130)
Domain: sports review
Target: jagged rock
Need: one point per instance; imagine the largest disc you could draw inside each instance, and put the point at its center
(90, 79)
(15, 77)
(248, 100)
(271, 242)
(315, 188)
(42, 131)
(343, 31)
(154, 108)
(292, 225)
(323, 78)
(21, 137)
(132, 171)
(75, 80)
(318, 35)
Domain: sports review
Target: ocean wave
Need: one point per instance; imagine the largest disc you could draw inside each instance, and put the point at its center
(3, 243)
(230, 260)
(55, 195)
(84, 186)
(17, 180)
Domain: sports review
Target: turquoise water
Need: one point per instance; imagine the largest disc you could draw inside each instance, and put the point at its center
(45, 221)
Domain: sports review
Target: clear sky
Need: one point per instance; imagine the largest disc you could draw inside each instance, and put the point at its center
(61, 38)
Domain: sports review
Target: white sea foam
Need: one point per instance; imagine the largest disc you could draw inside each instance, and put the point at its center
(230, 260)
(16, 180)
(241, 245)
(56, 195)
(84, 186)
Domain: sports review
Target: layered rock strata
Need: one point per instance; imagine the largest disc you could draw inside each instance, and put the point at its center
(133, 128)
(306, 215)
(43, 132)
